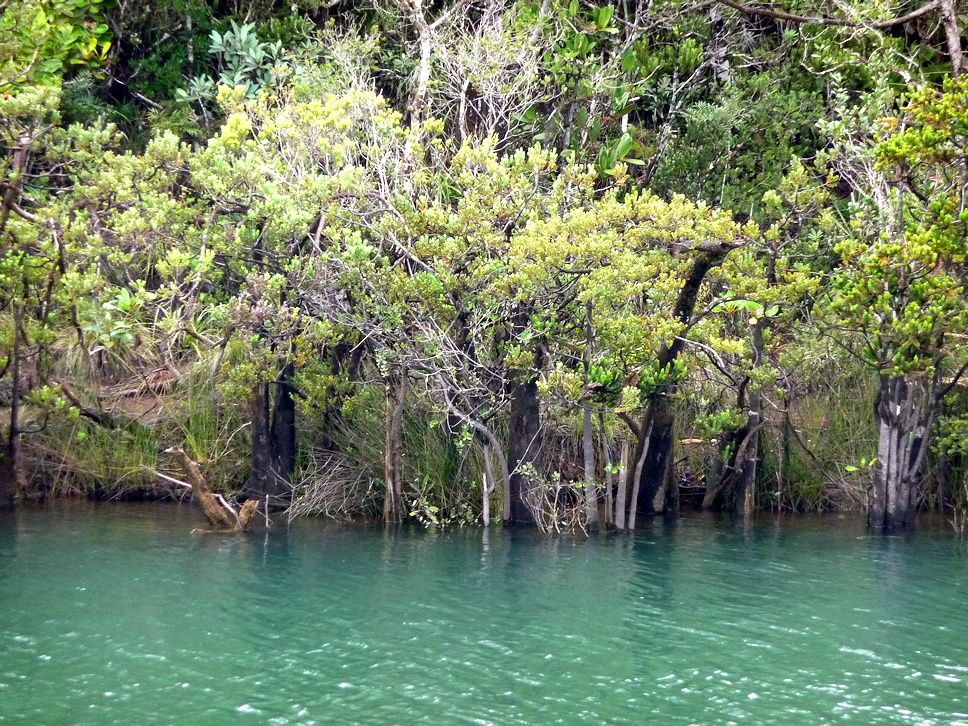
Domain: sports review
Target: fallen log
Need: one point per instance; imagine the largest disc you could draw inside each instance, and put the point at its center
(219, 512)
(246, 513)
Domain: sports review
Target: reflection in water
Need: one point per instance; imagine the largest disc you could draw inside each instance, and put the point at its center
(117, 613)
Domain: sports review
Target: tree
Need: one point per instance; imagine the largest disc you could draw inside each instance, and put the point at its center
(903, 287)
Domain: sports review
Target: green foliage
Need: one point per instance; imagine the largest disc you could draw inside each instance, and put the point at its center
(903, 287)
(233, 203)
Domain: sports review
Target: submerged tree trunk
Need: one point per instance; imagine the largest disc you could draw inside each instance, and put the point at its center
(591, 490)
(735, 487)
(393, 507)
(11, 477)
(523, 448)
(621, 493)
(656, 476)
(657, 428)
(217, 511)
(263, 479)
(747, 460)
(904, 418)
(588, 435)
(490, 484)
(283, 428)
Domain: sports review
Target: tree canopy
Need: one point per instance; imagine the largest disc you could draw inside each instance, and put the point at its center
(581, 263)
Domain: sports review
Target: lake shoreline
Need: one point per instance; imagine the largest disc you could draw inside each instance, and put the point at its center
(926, 521)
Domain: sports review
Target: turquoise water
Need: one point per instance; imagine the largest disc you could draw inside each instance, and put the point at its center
(117, 614)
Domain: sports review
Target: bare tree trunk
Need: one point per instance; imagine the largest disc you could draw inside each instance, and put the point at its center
(262, 479)
(609, 474)
(637, 476)
(489, 485)
(784, 464)
(904, 418)
(591, 490)
(18, 165)
(283, 429)
(11, 477)
(588, 435)
(523, 448)
(621, 494)
(949, 19)
(393, 447)
(747, 463)
(218, 511)
(418, 101)
(218, 514)
(656, 474)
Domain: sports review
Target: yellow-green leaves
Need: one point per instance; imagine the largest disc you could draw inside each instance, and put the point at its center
(904, 281)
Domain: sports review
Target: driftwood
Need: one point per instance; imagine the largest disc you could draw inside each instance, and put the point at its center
(246, 513)
(219, 512)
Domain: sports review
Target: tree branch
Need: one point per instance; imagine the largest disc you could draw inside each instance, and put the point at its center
(770, 11)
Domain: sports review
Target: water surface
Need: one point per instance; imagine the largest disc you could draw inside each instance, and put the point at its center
(118, 614)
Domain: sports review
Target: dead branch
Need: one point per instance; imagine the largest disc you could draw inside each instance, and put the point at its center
(102, 418)
(218, 511)
(772, 12)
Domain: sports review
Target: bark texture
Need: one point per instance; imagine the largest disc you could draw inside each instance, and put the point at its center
(523, 448)
(657, 473)
(283, 428)
(262, 479)
(11, 477)
(393, 448)
(591, 488)
(657, 490)
(904, 418)
(218, 513)
(949, 20)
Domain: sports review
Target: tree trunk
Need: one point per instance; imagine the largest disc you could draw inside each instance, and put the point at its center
(949, 19)
(734, 486)
(283, 429)
(588, 435)
(490, 484)
(393, 448)
(591, 490)
(418, 99)
(904, 418)
(660, 418)
(263, 479)
(621, 493)
(216, 512)
(11, 477)
(657, 468)
(523, 448)
(609, 473)
(746, 463)
(646, 439)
